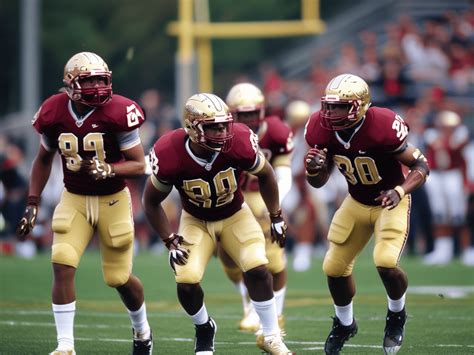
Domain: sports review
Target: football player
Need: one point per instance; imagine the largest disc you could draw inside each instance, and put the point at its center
(368, 145)
(275, 138)
(205, 161)
(97, 135)
(445, 144)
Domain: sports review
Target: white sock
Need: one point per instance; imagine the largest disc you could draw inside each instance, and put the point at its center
(242, 289)
(280, 300)
(345, 314)
(201, 316)
(140, 322)
(267, 312)
(64, 320)
(396, 305)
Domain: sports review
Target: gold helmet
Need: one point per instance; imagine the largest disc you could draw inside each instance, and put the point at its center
(447, 119)
(297, 113)
(247, 104)
(206, 109)
(85, 65)
(348, 91)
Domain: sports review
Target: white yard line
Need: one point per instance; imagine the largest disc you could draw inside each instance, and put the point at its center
(311, 345)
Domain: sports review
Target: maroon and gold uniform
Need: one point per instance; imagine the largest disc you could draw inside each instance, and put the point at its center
(95, 135)
(212, 199)
(367, 162)
(87, 204)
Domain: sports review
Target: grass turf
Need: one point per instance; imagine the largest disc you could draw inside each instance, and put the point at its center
(437, 323)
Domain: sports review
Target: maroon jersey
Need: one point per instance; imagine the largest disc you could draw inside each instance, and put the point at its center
(209, 190)
(276, 139)
(96, 135)
(367, 160)
(444, 149)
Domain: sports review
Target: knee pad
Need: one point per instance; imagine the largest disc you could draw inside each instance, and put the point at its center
(64, 254)
(335, 267)
(386, 255)
(187, 275)
(115, 276)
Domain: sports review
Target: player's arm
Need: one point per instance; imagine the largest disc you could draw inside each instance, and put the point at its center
(40, 171)
(134, 164)
(413, 158)
(268, 187)
(318, 166)
(269, 190)
(154, 194)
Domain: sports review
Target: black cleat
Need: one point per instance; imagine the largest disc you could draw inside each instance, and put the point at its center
(338, 336)
(394, 331)
(142, 346)
(205, 334)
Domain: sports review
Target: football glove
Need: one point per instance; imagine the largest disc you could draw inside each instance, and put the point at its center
(27, 222)
(278, 228)
(97, 169)
(314, 160)
(178, 255)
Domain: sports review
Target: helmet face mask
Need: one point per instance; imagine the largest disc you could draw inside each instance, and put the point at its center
(208, 122)
(247, 104)
(79, 69)
(346, 100)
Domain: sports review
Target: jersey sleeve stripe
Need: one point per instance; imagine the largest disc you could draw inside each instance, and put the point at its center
(161, 186)
(259, 163)
(129, 140)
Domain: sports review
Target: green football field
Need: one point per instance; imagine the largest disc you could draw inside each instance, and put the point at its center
(440, 307)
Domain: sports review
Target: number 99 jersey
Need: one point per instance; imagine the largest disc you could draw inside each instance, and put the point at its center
(96, 134)
(209, 190)
(367, 160)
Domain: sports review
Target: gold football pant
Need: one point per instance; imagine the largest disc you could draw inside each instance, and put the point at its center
(75, 219)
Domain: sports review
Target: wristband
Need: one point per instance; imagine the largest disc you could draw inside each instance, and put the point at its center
(33, 200)
(400, 191)
(275, 214)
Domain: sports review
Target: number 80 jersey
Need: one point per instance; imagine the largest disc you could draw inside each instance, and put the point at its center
(209, 190)
(367, 161)
(97, 134)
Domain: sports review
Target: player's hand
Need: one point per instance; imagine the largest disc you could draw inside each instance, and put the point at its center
(97, 169)
(178, 254)
(27, 222)
(278, 228)
(389, 198)
(315, 159)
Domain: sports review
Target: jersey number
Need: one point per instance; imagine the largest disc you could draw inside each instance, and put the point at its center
(69, 145)
(364, 167)
(200, 193)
